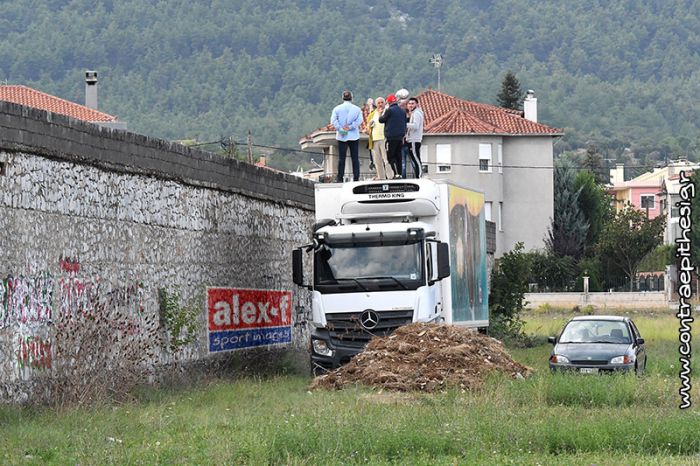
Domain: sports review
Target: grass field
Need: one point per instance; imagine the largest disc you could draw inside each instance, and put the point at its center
(546, 419)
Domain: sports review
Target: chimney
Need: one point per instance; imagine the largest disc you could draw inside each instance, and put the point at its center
(530, 106)
(91, 89)
(617, 174)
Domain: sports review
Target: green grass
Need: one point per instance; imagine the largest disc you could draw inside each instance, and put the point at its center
(546, 419)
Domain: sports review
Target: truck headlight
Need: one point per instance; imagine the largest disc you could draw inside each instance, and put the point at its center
(626, 359)
(321, 347)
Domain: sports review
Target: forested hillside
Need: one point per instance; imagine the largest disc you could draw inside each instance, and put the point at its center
(623, 74)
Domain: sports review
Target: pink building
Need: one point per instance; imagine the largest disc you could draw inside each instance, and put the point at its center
(644, 192)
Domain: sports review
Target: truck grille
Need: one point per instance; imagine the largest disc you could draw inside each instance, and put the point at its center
(345, 328)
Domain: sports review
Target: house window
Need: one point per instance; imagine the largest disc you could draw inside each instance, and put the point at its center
(487, 211)
(647, 201)
(500, 216)
(443, 158)
(500, 158)
(485, 158)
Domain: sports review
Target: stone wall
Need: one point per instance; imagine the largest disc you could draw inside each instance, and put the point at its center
(99, 225)
(600, 300)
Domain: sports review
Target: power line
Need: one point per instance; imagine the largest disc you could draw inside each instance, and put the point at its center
(452, 164)
(199, 144)
(289, 149)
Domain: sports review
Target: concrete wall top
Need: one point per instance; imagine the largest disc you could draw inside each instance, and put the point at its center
(60, 137)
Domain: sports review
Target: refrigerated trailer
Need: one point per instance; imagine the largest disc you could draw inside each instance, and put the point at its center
(388, 253)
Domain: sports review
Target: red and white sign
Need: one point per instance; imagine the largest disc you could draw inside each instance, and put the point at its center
(239, 309)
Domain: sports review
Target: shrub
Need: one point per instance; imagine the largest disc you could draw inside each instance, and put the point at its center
(551, 272)
(509, 283)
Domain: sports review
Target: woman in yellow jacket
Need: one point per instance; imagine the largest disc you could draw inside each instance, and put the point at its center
(377, 142)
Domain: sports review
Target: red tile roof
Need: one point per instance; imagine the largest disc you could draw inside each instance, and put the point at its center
(446, 114)
(29, 97)
(458, 120)
(475, 117)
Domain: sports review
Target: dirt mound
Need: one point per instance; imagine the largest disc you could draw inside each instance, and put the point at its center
(425, 357)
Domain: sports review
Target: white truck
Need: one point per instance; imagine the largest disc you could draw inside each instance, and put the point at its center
(388, 253)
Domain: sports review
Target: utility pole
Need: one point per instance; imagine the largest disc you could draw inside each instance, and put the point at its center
(436, 60)
(250, 147)
(231, 147)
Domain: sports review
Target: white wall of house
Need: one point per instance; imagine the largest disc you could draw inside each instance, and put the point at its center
(521, 198)
(529, 190)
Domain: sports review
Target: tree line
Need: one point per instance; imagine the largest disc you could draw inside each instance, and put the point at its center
(619, 76)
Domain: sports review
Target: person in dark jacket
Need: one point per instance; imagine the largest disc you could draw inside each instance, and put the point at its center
(394, 119)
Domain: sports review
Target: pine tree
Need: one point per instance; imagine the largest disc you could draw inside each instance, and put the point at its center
(511, 95)
(595, 207)
(594, 163)
(568, 231)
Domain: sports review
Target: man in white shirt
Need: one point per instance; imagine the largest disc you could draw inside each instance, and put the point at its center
(414, 134)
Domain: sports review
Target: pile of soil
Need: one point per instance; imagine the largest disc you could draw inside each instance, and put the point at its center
(425, 357)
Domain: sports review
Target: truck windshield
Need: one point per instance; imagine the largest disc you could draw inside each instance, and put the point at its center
(368, 267)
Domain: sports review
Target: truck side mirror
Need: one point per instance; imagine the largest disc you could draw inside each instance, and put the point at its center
(297, 268)
(443, 260)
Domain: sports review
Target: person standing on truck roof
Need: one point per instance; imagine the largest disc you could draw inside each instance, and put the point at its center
(369, 105)
(414, 134)
(377, 141)
(346, 119)
(402, 101)
(394, 119)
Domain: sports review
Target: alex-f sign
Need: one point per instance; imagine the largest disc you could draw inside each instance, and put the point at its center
(245, 318)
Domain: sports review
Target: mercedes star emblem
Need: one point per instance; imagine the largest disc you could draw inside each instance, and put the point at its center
(369, 319)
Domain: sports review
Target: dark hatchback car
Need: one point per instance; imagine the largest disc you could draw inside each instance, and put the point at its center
(594, 344)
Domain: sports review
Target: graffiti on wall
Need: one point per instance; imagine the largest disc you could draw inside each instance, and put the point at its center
(71, 322)
(26, 299)
(34, 352)
(93, 299)
(68, 264)
(30, 300)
